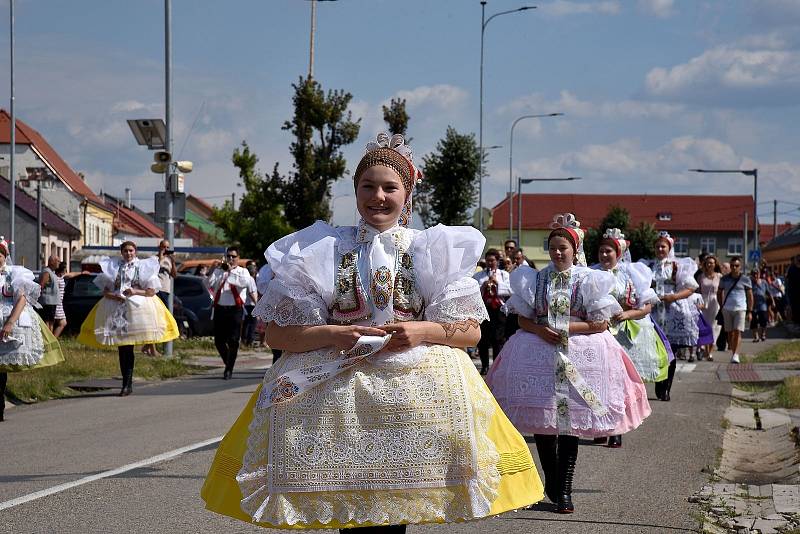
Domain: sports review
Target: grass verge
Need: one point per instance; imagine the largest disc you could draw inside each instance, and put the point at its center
(83, 363)
(789, 392)
(783, 352)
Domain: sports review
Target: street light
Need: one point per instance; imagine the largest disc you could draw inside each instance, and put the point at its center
(484, 23)
(521, 181)
(510, 166)
(746, 172)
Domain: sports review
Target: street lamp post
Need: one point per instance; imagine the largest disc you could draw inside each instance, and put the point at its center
(746, 172)
(521, 181)
(484, 23)
(511, 165)
(12, 170)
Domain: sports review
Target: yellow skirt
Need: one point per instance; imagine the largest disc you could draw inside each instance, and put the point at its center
(520, 485)
(162, 327)
(52, 351)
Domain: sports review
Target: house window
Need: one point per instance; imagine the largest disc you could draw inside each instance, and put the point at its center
(708, 245)
(735, 246)
(681, 246)
(97, 235)
(664, 216)
(545, 246)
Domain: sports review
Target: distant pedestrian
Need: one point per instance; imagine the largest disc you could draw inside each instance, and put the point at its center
(792, 294)
(249, 322)
(762, 301)
(709, 278)
(129, 313)
(167, 272)
(201, 270)
(229, 284)
(495, 289)
(62, 275)
(509, 248)
(736, 294)
(48, 282)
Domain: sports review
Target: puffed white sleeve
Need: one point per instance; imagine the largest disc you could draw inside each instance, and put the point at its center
(523, 291)
(263, 278)
(148, 273)
(444, 263)
(642, 278)
(685, 277)
(23, 284)
(108, 273)
(598, 302)
(302, 289)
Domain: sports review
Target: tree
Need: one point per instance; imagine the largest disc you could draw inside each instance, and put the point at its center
(643, 241)
(321, 127)
(396, 117)
(448, 189)
(617, 217)
(260, 219)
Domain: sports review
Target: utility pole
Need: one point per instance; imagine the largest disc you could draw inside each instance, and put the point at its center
(745, 256)
(311, 44)
(12, 170)
(774, 218)
(233, 201)
(169, 225)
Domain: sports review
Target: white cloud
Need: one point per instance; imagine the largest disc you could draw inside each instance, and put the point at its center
(561, 8)
(727, 75)
(573, 106)
(658, 8)
(443, 96)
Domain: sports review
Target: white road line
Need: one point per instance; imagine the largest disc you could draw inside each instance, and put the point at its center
(685, 367)
(105, 474)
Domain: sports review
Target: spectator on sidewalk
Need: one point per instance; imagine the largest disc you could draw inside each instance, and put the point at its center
(48, 298)
(495, 289)
(792, 295)
(229, 285)
(709, 279)
(249, 324)
(761, 303)
(507, 259)
(736, 294)
(167, 271)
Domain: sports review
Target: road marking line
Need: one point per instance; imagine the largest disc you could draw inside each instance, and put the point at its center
(106, 474)
(685, 367)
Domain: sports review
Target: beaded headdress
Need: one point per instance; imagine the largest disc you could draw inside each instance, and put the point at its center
(395, 154)
(664, 235)
(568, 222)
(617, 238)
(3, 246)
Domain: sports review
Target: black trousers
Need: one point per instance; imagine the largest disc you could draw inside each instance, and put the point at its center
(493, 334)
(248, 325)
(666, 384)
(126, 360)
(388, 529)
(227, 330)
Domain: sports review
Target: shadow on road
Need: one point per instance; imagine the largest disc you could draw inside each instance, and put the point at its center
(659, 528)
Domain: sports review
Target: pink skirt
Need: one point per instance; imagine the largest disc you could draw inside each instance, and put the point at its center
(523, 380)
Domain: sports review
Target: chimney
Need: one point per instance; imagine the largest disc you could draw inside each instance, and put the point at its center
(128, 197)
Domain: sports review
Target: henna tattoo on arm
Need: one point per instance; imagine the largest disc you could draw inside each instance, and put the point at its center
(450, 329)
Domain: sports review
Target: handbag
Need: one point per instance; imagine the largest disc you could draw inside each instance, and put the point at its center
(719, 317)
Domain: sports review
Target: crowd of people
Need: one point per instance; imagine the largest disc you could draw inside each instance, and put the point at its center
(375, 417)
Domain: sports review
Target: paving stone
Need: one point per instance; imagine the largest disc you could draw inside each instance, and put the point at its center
(786, 498)
(766, 526)
(741, 417)
(766, 490)
(773, 418)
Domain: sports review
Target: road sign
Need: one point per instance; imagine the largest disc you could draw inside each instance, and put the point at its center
(178, 206)
(754, 255)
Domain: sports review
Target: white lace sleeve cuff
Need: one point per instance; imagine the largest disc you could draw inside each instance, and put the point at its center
(460, 308)
(23, 285)
(291, 306)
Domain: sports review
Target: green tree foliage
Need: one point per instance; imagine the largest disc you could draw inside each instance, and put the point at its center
(449, 187)
(260, 219)
(617, 217)
(396, 117)
(321, 126)
(643, 241)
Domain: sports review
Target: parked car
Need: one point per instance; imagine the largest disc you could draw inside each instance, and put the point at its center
(194, 293)
(81, 294)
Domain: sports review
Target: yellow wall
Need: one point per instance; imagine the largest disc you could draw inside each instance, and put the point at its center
(97, 220)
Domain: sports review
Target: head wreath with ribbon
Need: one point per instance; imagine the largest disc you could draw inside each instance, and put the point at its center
(568, 223)
(3, 246)
(394, 153)
(616, 238)
(663, 235)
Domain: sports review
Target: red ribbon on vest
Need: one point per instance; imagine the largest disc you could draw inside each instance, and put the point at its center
(237, 299)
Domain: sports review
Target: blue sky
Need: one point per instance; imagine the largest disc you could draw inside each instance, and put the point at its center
(650, 88)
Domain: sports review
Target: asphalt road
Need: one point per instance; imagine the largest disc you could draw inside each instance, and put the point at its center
(642, 487)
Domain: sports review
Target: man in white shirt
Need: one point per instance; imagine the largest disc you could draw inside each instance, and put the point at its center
(495, 289)
(230, 286)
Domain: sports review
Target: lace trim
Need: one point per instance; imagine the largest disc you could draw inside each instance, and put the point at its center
(459, 308)
(290, 305)
(469, 500)
(30, 349)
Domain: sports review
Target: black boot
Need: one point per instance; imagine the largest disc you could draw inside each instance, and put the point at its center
(3, 380)
(615, 442)
(546, 447)
(567, 456)
(129, 387)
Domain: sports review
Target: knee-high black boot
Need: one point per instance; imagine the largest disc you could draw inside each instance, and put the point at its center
(546, 447)
(567, 456)
(126, 362)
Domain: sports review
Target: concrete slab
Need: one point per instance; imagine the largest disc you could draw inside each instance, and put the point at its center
(766, 526)
(770, 418)
(786, 498)
(741, 417)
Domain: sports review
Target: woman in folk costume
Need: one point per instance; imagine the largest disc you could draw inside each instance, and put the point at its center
(563, 375)
(673, 281)
(372, 417)
(129, 313)
(632, 326)
(25, 340)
